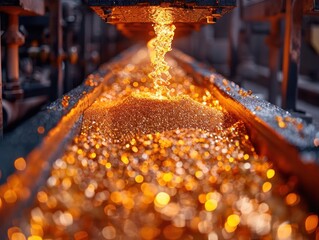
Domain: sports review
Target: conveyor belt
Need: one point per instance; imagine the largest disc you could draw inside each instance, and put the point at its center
(190, 179)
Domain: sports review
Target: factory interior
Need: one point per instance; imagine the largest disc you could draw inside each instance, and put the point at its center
(159, 119)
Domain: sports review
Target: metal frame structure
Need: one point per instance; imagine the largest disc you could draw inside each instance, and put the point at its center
(198, 11)
(14, 39)
(292, 11)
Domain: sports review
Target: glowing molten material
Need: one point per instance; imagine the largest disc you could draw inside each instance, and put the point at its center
(158, 47)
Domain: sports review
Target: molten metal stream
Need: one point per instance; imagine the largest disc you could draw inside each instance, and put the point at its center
(158, 47)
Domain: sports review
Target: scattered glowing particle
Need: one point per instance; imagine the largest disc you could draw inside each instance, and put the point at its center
(202, 198)
(282, 124)
(36, 230)
(109, 232)
(167, 177)
(13, 230)
(110, 174)
(90, 191)
(194, 154)
(135, 84)
(116, 197)
(41, 129)
(247, 165)
(266, 187)
(17, 236)
(108, 165)
(292, 199)
(162, 199)
(66, 183)
(229, 228)
(34, 238)
(199, 174)
(37, 215)
(211, 205)
(135, 149)
(270, 173)
(233, 220)
(311, 223)
(139, 179)
(227, 168)
(66, 219)
(42, 197)
(204, 227)
(52, 202)
(284, 231)
(128, 203)
(124, 159)
(263, 208)
(20, 164)
(212, 236)
(65, 99)
(10, 196)
(246, 156)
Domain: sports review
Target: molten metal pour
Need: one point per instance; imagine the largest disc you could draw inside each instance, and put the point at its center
(158, 47)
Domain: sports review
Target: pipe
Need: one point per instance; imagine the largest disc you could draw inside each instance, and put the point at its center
(17, 110)
(13, 48)
(9, 113)
(56, 48)
(14, 39)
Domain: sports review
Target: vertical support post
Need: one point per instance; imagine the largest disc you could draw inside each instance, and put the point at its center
(13, 49)
(292, 45)
(233, 42)
(56, 48)
(14, 39)
(273, 42)
(1, 113)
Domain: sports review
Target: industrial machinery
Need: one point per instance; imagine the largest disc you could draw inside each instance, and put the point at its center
(182, 11)
(112, 160)
(134, 18)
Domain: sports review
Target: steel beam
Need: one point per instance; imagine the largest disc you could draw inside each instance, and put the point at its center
(292, 46)
(273, 42)
(56, 45)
